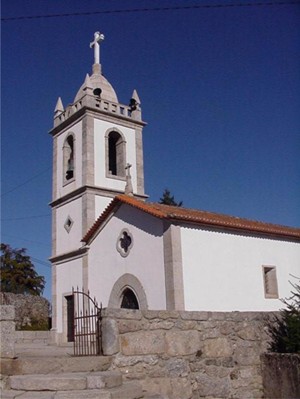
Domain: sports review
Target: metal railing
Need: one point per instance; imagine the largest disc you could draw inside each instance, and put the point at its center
(87, 325)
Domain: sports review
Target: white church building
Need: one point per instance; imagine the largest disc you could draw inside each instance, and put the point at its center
(128, 252)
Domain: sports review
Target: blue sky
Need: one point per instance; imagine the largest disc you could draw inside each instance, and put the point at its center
(220, 90)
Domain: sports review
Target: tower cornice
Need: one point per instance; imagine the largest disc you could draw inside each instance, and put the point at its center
(107, 110)
(109, 193)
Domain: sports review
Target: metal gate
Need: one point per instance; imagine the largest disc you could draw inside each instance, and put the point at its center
(87, 325)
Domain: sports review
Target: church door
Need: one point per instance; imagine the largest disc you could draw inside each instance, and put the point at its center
(70, 317)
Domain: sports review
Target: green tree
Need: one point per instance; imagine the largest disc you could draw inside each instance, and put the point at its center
(18, 274)
(168, 199)
(284, 329)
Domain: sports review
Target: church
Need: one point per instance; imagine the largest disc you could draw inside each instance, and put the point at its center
(129, 252)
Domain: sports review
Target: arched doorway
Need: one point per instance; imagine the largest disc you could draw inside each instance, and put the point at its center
(128, 293)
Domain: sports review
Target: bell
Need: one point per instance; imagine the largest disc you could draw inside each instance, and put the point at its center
(132, 104)
(70, 170)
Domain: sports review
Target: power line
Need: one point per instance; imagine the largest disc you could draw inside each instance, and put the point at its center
(26, 240)
(41, 262)
(132, 10)
(26, 217)
(25, 182)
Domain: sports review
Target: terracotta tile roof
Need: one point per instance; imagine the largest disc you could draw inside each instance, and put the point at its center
(198, 217)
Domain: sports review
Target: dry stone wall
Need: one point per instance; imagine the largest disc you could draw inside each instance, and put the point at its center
(29, 309)
(188, 355)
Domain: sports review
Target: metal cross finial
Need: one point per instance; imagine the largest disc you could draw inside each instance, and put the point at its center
(98, 37)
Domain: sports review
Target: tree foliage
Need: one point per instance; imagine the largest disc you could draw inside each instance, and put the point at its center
(284, 330)
(168, 199)
(18, 274)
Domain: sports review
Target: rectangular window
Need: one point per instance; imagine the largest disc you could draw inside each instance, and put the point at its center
(270, 282)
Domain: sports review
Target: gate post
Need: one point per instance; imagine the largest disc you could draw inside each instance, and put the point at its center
(110, 334)
(7, 331)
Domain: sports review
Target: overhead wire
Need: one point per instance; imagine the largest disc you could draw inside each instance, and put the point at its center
(25, 182)
(26, 240)
(41, 262)
(150, 9)
(25, 217)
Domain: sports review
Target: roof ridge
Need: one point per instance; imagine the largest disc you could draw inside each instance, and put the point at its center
(194, 216)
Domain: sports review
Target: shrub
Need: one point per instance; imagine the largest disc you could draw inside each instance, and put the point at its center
(284, 329)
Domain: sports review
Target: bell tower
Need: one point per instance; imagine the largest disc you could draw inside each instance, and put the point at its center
(94, 139)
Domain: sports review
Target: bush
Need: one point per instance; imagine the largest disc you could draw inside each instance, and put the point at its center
(35, 325)
(284, 329)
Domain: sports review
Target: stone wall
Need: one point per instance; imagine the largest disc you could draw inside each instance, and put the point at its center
(281, 375)
(30, 310)
(188, 355)
(33, 337)
(7, 331)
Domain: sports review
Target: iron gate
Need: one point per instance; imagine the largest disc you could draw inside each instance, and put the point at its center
(87, 325)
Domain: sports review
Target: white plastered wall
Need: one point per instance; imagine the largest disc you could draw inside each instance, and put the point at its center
(223, 271)
(68, 241)
(100, 204)
(64, 188)
(145, 260)
(100, 129)
(69, 274)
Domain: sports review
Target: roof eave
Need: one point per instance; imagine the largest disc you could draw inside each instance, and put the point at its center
(238, 229)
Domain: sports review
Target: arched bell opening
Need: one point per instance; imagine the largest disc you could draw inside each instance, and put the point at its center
(68, 158)
(116, 154)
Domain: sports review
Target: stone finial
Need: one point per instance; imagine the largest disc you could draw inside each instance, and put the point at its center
(135, 106)
(59, 107)
(128, 187)
(87, 82)
(87, 85)
(135, 97)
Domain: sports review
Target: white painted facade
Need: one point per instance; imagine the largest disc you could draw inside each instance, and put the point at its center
(222, 271)
(69, 241)
(145, 260)
(68, 274)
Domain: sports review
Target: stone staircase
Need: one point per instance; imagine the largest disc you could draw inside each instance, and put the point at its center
(76, 385)
(52, 374)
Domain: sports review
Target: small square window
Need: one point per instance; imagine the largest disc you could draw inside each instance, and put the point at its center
(270, 282)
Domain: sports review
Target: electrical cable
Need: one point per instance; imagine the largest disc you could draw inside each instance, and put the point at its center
(25, 182)
(26, 217)
(41, 262)
(132, 10)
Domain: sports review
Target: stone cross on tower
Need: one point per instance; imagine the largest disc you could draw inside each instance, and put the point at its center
(98, 37)
(128, 187)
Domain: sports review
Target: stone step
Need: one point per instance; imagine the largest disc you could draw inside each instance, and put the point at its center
(65, 381)
(55, 365)
(128, 390)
